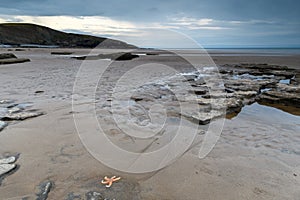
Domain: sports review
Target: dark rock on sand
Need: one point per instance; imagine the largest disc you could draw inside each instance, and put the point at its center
(39, 91)
(124, 56)
(61, 53)
(20, 49)
(9, 58)
(13, 61)
(72, 196)
(87, 57)
(94, 196)
(113, 56)
(45, 189)
(21, 115)
(152, 54)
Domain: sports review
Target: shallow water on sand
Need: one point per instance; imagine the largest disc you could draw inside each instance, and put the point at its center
(265, 127)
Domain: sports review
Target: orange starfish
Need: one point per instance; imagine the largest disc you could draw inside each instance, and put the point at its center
(109, 181)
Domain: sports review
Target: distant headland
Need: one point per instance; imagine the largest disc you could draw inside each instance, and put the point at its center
(32, 35)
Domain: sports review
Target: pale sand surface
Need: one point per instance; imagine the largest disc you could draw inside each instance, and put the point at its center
(257, 156)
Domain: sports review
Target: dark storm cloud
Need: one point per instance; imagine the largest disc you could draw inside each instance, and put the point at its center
(150, 10)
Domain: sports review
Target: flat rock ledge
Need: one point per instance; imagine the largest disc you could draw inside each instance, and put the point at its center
(238, 86)
(5, 168)
(7, 165)
(10, 111)
(274, 84)
(21, 115)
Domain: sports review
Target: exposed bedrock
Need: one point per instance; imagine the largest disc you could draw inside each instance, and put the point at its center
(242, 85)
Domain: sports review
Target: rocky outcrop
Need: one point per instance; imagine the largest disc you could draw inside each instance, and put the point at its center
(288, 95)
(10, 111)
(257, 70)
(21, 115)
(14, 61)
(9, 58)
(45, 189)
(243, 85)
(7, 165)
(202, 117)
(273, 84)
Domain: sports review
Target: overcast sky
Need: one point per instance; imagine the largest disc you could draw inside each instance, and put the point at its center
(211, 23)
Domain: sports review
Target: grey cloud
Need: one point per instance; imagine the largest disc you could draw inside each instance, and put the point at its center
(156, 9)
(242, 21)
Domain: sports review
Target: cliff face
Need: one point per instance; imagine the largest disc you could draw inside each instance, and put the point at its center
(21, 33)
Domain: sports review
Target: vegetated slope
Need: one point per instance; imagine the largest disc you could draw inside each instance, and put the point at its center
(22, 33)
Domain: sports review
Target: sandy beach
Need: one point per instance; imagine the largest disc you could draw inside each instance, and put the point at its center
(256, 157)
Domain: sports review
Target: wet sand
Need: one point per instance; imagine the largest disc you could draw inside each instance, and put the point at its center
(257, 156)
(292, 61)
